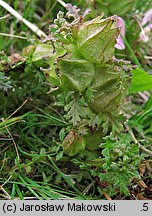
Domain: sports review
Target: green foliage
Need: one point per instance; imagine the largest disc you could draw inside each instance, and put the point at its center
(141, 81)
(5, 82)
(120, 8)
(76, 110)
(121, 160)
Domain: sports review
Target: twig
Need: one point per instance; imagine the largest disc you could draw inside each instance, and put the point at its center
(136, 141)
(31, 26)
(106, 196)
(145, 150)
(148, 57)
(144, 96)
(5, 126)
(6, 195)
(142, 184)
(5, 17)
(16, 36)
(5, 182)
(12, 140)
(62, 3)
(16, 110)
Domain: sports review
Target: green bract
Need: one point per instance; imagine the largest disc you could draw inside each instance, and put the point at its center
(96, 39)
(108, 88)
(76, 74)
(41, 51)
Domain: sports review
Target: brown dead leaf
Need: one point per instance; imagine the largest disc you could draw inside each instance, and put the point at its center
(145, 166)
(141, 197)
(16, 58)
(107, 196)
(142, 184)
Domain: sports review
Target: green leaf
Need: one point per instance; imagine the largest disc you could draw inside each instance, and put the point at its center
(120, 7)
(5, 83)
(77, 110)
(51, 75)
(74, 111)
(141, 81)
(62, 134)
(76, 74)
(73, 144)
(41, 52)
(96, 39)
(94, 139)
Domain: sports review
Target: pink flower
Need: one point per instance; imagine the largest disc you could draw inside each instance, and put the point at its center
(120, 43)
(147, 18)
(121, 25)
(145, 32)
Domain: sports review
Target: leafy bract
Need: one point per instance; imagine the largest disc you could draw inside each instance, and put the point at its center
(41, 52)
(96, 39)
(73, 143)
(76, 74)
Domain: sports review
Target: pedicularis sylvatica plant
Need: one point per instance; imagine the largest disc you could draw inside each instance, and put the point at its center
(89, 85)
(88, 78)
